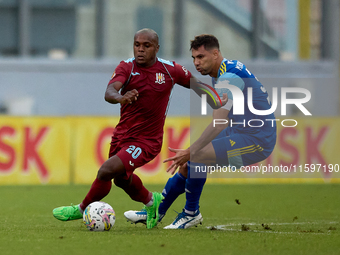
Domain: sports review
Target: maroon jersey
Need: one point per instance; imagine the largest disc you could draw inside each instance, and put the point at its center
(143, 120)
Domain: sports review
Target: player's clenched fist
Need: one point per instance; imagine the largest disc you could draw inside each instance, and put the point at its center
(129, 97)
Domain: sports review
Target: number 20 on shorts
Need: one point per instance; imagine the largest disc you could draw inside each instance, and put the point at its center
(134, 151)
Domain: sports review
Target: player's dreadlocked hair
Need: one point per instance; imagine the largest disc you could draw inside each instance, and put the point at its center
(208, 41)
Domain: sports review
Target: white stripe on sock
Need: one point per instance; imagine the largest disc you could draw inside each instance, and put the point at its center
(80, 210)
(190, 212)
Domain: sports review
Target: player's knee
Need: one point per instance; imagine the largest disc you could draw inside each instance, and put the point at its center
(121, 182)
(104, 175)
(110, 169)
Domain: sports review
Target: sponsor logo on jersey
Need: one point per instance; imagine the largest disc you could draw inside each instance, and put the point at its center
(131, 164)
(136, 73)
(160, 78)
(232, 143)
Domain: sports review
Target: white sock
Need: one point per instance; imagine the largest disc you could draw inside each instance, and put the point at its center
(80, 210)
(190, 212)
(150, 203)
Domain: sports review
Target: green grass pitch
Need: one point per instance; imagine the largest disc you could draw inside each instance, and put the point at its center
(238, 219)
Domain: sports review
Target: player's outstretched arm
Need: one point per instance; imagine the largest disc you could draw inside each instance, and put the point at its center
(212, 130)
(113, 96)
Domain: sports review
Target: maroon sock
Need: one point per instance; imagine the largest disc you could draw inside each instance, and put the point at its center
(98, 191)
(137, 191)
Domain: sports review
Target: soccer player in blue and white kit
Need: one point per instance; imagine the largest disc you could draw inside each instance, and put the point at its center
(228, 144)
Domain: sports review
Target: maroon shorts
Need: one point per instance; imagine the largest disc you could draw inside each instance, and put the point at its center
(133, 155)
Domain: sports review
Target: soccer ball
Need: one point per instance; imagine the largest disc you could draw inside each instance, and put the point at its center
(99, 216)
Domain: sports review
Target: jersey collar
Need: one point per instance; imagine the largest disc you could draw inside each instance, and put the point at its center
(223, 68)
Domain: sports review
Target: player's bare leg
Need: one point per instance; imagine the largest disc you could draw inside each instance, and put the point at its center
(99, 189)
(111, 168)
(174, 187)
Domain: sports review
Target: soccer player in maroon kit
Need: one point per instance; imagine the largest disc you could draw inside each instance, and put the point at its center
(145, 83)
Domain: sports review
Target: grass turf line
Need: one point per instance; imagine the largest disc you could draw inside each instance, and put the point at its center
(256, 219)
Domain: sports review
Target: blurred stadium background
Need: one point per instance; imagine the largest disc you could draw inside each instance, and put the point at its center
(56, 58)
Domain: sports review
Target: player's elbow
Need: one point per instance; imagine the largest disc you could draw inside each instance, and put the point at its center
(108, 98)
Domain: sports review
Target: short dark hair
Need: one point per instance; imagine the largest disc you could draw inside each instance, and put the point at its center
(149, 31)
(208, 41)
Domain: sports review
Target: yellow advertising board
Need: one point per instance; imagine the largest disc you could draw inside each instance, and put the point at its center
(44, 150)
(307, 152)
(304, 153)
(91, 143)
(34, 150)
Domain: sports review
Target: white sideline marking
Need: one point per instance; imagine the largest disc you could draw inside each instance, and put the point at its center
(224, 227)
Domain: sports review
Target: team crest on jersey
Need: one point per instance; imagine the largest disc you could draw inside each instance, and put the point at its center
(160, 78)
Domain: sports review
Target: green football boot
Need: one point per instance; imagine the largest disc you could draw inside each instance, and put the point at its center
(65, 213)
(152, 211)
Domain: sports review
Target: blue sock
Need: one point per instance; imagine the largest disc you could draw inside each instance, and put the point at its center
(173, 188)
(194, 186)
